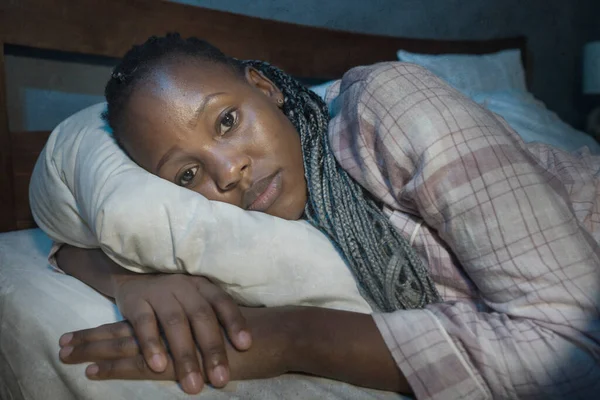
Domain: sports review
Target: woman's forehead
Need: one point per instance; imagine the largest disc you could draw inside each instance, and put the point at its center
(185, 74)
(171, 95)
(178, 88)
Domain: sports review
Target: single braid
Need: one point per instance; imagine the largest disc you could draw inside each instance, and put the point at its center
(389, 271)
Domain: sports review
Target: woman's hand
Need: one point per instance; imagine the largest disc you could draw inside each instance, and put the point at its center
(340, 345)
(116, 354)
(189, 309)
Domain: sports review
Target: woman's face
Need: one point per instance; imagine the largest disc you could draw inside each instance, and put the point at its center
(201, 126)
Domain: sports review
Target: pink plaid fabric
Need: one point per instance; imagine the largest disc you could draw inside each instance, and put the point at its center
(510, 234)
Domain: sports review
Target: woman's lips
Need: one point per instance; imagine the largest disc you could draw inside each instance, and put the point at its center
(264, 192)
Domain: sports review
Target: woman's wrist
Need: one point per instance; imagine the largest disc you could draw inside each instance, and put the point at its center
(118, 278)
(310, 341)
(296, 328)
(295, 333)
(94, 268)
(340, 345)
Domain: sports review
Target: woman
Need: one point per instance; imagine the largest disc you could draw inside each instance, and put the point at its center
(481, 254)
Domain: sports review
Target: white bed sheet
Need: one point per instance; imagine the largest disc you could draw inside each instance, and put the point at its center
(534, 122)
(38, 305)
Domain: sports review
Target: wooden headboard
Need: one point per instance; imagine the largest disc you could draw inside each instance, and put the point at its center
(110, 28)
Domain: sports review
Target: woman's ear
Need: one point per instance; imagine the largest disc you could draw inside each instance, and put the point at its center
(256, 79)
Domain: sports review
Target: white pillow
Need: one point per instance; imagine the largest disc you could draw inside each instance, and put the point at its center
(86, 192)
(470, 73)
(534, 122)
(497, 81)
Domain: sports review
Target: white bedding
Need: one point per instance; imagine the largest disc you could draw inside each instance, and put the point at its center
(37, 305)
(533, 121)
(528, 116)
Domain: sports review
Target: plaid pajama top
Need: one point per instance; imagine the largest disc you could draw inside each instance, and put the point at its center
(508, 231)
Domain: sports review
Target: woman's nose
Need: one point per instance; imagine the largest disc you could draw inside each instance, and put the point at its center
(230, 169)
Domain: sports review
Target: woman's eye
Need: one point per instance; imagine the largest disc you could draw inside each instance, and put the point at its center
(228, 121)
(187, 177)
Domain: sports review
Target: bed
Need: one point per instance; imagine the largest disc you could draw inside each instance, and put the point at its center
(30, 292)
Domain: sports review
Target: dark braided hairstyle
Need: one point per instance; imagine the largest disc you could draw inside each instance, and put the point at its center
(390, 273)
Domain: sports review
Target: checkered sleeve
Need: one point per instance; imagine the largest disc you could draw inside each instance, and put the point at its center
(426, 150)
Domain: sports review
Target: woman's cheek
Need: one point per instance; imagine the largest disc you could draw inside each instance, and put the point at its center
(206, 190)
(210, 192)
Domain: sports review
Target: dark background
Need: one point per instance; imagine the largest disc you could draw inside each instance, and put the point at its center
(43, 91)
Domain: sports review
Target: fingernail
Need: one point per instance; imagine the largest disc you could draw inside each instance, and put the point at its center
(158, 362)
(92, 370)
(65, 352)
(191, 382)
(245, 339)
(65, 339)
(220, 375)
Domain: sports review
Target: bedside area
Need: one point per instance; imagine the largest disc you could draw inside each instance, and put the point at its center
(591, 88)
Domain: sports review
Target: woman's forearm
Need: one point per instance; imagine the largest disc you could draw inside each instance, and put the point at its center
(344, 346)
(92, 267)
(334, 344)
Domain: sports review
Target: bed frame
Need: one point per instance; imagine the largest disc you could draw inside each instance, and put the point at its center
(111, 27)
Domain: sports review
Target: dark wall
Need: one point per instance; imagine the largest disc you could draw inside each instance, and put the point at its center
(557, 29)
(42, 93)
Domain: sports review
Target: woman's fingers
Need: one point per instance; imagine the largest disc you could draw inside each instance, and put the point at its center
(96, 351)
(81, 339)
(176, 327)
(186, 308)
(144, 323)
(132, 368)
(209, 338)
(228, 312)
(102, 332)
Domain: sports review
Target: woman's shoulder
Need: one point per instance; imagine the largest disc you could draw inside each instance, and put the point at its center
(377, 75)
(378, 87)
(399, 109)
(367, 131)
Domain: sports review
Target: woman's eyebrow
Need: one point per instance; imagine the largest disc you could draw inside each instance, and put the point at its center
(203, 103)
(166, 157)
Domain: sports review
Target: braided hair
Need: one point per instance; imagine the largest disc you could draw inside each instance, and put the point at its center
(390, 274)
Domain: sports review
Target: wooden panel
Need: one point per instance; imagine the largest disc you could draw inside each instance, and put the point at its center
(26, 225)
(110, 28)
(26, 147)
(7, 218)
(22, 211)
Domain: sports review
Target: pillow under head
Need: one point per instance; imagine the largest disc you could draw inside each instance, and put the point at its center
(86, 192)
